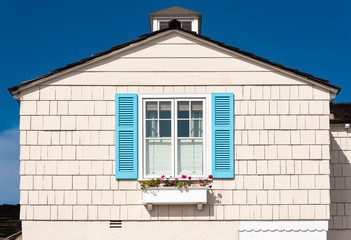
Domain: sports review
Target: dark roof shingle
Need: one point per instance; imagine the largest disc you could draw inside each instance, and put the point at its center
(341, 112)
(9, 220)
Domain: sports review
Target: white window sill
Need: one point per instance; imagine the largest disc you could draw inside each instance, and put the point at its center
(175, 196)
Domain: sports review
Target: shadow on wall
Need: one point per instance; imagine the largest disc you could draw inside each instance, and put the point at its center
(340, 183)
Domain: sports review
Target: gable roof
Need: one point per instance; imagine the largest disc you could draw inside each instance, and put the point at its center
(175, 25)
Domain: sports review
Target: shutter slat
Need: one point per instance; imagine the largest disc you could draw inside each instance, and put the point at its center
(126, 136)
(222, 135)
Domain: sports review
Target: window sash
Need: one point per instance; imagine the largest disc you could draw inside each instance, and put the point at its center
(174, 132)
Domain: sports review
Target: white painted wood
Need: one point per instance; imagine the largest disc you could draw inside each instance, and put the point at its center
(173, 195)
(154, 25)
(195, 25)
(116, 64)
(287, 230)
(146, 230)
(176, 50)
(173, 78)
(194, 22)
(174, 38)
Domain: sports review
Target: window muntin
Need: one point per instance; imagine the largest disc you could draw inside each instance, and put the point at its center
(173, 137)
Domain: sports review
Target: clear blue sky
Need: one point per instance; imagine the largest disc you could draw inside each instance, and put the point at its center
(39, 36)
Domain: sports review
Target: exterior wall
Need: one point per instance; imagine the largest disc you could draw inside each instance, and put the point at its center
(80, 230)
(281, 139)
(231, 230)
(340, 180)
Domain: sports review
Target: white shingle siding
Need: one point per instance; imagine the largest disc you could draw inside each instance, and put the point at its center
(340, 177)
(281, 138)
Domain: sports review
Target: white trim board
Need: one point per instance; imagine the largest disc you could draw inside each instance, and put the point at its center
(287, 230)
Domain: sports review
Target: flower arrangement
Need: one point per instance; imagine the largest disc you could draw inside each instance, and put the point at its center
(184, 182)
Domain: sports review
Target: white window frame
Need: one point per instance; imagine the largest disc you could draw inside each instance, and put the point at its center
(206, 130)
(194, 22)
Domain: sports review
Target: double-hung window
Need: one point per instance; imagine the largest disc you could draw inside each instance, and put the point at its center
(174, 137)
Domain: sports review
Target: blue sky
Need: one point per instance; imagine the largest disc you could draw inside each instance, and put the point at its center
(39, 36)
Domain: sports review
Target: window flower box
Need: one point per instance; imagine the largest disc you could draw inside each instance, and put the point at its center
(174, 196)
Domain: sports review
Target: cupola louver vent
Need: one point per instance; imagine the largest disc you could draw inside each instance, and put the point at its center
(115, 224)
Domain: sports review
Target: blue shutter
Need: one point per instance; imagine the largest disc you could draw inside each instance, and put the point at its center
(222, 135)
(126, 136)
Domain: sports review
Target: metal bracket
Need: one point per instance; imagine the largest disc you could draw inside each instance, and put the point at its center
(199, 206)
(149, 206)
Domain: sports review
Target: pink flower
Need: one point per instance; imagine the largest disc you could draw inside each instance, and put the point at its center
(163, 176)
(200, 179)
(183, 176)
(161, 180)
(170, 181)
(176, 179)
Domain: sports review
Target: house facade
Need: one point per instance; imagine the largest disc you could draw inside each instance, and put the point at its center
(174, 102)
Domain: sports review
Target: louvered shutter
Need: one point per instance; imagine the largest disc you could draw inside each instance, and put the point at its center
(222, 110)
(126, 136)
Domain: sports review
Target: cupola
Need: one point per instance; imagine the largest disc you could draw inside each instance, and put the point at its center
(188, 19)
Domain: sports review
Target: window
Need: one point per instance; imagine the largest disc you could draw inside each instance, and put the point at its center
(174, 134)
(184, 24)
(173, 137)
(163, 25)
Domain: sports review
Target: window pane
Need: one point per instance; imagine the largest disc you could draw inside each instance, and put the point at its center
(165, 109)
(165, 128)
(196, 109)
(183, 109)
(151, 110)
(196, 128)
(163, 25)
(151, 128)
(190, 157)
(158, 157)
(183, 128)
(186, 25)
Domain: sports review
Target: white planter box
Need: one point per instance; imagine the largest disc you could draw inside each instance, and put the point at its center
(175, 196)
